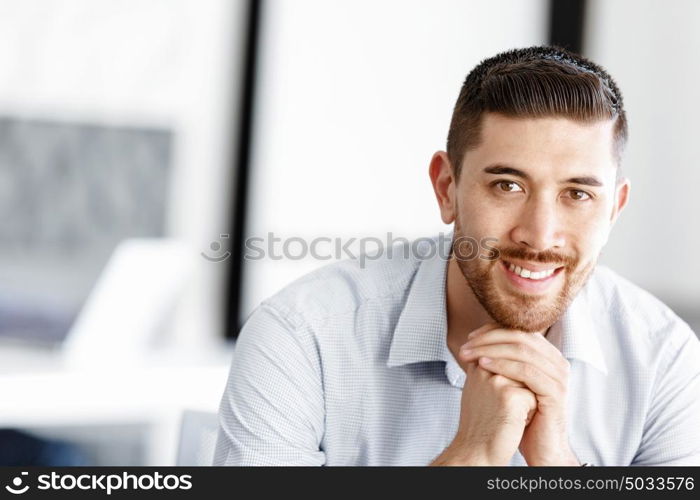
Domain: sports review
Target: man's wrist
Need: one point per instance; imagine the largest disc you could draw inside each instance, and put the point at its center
(451, 458)
(566, 459)
(465, 452)
(462, 453)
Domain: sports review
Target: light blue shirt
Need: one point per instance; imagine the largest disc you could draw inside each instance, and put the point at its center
(350, 366)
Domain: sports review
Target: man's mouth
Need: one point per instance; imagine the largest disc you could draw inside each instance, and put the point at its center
(532, 272)
(532, 281)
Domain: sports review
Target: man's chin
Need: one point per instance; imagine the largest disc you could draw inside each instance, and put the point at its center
(536, 322)
(517, 310)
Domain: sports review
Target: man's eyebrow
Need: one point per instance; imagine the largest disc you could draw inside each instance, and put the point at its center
(587, 180)
(504, 170)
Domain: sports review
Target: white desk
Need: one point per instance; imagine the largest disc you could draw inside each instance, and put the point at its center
(37, 390)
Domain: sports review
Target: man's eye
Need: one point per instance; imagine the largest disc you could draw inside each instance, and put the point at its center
(578, 195)
(508, 186)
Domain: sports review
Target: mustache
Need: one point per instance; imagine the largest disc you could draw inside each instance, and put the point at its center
(545, 257)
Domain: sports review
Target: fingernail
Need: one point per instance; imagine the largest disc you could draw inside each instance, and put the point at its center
(466, 352)
(485, 361)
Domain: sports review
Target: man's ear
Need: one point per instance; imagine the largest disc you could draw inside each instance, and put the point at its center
(444, 184)
(622, 195)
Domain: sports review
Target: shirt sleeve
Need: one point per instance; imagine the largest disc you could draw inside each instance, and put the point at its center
(672, 429)
(272, 410)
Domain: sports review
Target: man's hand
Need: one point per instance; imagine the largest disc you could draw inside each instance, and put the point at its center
(494, 413)
(530, 359)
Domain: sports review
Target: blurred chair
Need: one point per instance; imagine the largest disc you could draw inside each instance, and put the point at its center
(18, 448)
(197, 438)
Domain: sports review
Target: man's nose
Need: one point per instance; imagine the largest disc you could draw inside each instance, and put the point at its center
(539, 226)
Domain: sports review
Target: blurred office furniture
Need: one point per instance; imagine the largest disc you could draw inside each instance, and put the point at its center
(105, 137)
(23, 449)
(119, 386)
(197, 438)
(134, 299)
(129, 416)
(70, 192)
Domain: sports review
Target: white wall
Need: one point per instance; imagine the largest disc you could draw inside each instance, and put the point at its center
(651, 48)
(354, 98)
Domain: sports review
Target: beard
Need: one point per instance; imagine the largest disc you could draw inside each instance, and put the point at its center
(513, 309)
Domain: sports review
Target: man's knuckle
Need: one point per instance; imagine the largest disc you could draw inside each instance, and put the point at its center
(497, 381)
(506, 396)
(529, 371)
(522, 348)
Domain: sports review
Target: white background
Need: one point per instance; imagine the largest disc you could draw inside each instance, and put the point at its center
(354, 99)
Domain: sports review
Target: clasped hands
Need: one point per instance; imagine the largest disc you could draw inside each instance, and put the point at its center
(514, 398)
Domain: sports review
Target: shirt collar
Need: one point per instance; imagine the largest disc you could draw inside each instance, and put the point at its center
(575, 334)
(421, 332)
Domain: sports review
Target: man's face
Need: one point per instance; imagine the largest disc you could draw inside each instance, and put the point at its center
(546, 190)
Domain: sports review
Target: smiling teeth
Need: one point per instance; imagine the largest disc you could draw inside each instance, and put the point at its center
(533, 275)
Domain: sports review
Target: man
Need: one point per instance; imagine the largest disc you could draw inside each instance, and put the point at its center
(528, 354)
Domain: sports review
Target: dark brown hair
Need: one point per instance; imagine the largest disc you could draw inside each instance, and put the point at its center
(531, 83)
